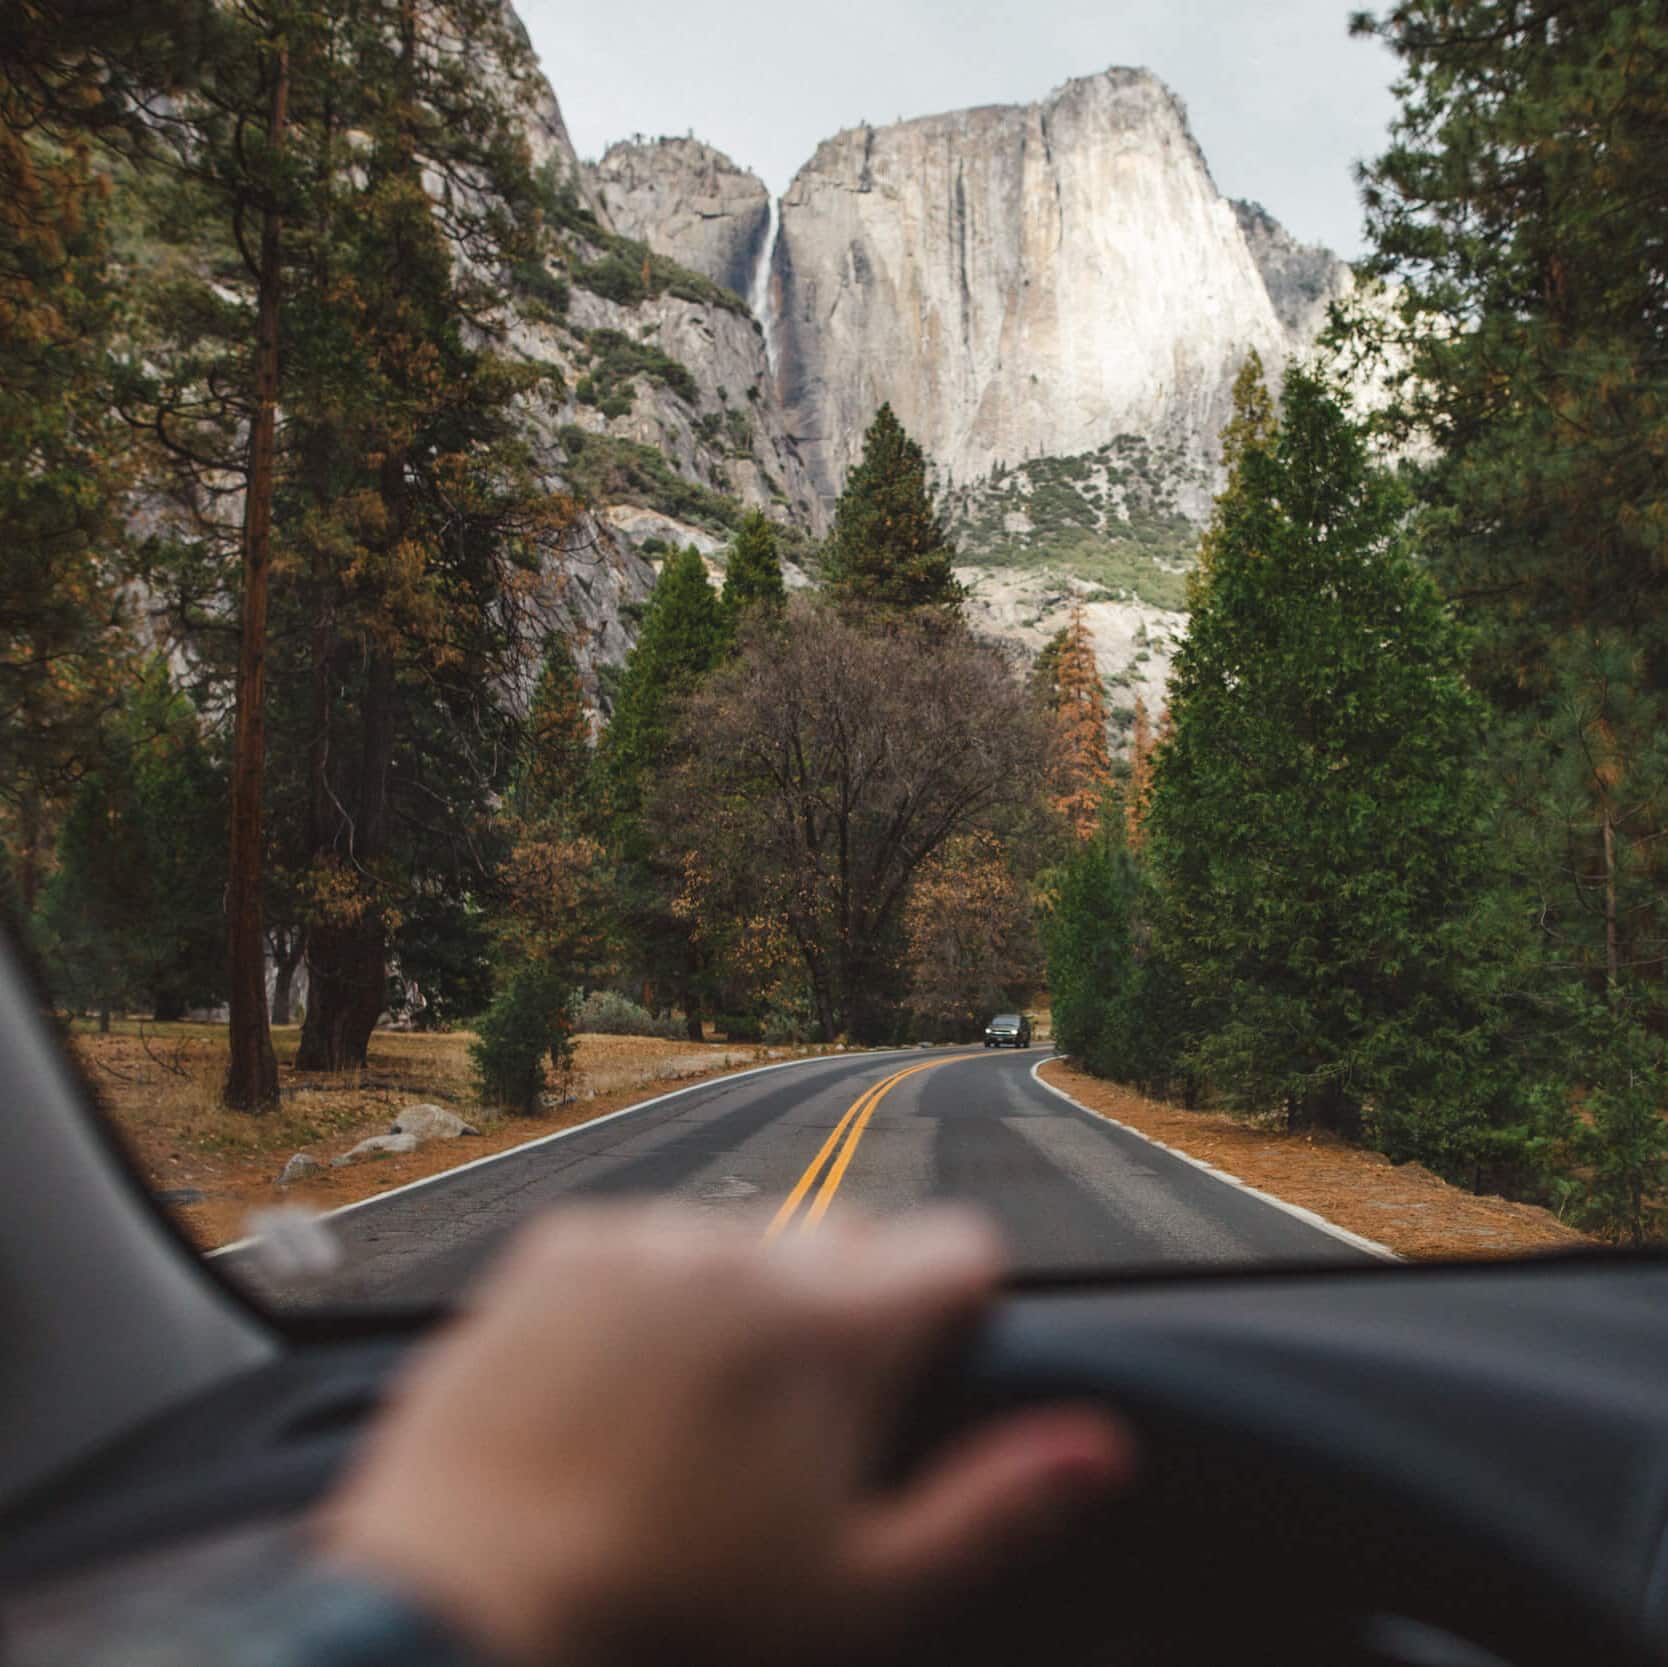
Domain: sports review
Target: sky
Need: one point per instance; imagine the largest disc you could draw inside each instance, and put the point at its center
(1282, 100)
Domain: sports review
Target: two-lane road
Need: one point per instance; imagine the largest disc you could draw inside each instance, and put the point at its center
(884, 1131)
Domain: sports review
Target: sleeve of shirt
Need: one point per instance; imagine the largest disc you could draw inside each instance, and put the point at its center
(301, 1617)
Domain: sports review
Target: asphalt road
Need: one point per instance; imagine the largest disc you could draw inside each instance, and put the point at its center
(886, 1132)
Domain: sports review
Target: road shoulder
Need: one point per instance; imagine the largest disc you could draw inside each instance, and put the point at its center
(1403, 1208)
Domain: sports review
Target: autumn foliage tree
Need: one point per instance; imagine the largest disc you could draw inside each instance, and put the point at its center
(1083, 771)
(971, 935)
(824, 765)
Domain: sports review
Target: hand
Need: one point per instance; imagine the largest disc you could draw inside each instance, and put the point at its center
(650, 1434)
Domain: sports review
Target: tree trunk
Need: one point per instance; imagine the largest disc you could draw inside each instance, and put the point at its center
(285, 960)
(347, 958)
(104, 1020)
(252, 1078)
(29, 852)
(1612, 951)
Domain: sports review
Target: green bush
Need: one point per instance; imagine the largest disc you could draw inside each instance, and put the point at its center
(606, 469)
(608, 1013)
(529, 1021)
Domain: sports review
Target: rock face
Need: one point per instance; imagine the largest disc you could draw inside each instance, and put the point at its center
(686, 200)
(1302, 279)
(1019, 281)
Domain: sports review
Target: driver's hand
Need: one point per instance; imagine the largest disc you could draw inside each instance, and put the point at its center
(653, 1434)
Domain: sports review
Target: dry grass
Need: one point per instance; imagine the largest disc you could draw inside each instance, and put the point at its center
(160, 1086)
(1401, 1206)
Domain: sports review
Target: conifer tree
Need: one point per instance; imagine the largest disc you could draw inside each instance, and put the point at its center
(1044, 680)
(1084, 771)
(1318, 823)
(1138, 789)
(554, 765)
(551, 912)
(889, 547)
(683, 637)
(753, 573)
(1519, 214)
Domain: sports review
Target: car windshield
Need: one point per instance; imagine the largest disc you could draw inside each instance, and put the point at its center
(538, 662)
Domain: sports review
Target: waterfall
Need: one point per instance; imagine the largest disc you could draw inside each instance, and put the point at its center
(760, 297)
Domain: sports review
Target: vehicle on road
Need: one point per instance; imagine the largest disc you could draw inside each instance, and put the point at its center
(1008, 1030)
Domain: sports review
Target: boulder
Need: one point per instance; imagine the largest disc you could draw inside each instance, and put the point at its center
(302, 1167)
(377, 1146)
(430, 1122)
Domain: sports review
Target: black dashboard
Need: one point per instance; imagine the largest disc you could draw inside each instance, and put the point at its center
(1406, 1465)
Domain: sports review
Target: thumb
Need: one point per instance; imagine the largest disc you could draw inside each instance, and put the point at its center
(985, 1502)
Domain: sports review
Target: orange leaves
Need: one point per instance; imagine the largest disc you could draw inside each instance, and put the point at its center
(1085, 770)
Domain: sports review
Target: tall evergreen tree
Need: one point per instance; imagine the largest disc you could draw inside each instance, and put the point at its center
(890, 548)
(1519, 213)
(1318, 822)
(684, 635)
(551, 912)
(681, 640)
(753, 573)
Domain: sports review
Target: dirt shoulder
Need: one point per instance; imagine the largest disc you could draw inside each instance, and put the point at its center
(160, 1087)
(1401, 1206)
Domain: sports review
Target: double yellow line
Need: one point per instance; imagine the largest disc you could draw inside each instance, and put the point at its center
(849, 1129)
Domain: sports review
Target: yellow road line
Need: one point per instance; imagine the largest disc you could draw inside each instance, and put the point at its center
(856, 1119)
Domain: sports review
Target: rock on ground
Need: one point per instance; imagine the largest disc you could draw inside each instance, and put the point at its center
(378, 1143)
(303, 1166)
(430, 1122)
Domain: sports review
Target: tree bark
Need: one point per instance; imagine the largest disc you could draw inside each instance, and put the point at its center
(252, 1077)
(347, 959)
(285, 961)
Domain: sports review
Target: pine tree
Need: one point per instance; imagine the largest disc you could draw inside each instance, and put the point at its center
(753, 572)
(1318, 825)
(1138, 789)
(1084, 771)
(889, 547)
(553, 769)
(1251, 427)
(684, 636)
(1519, 212)
(1044, 681)
(551, 909)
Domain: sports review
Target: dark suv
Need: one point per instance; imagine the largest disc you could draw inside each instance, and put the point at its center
(1008, 1030)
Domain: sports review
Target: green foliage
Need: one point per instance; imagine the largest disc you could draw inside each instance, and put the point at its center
(1624, 1146)
(753, 570)
(529, 1022)
(889, 548)
(1108, 516)
(608, 1013)
(553, 768)
(132, 915)
(615, 359)
(1318, 826)
(1114, 1007)
(604, 469)
(683, 637)
(1518, 211)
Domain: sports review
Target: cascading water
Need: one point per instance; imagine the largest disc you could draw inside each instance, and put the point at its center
(760, 296)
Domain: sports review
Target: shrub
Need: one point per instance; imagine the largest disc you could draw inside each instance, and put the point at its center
(608, 1013)
(529, 1020)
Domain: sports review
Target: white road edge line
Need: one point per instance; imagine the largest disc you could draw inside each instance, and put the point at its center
(1372, 1246)
(563, 1134)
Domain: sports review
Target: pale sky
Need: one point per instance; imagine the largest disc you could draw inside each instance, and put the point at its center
(1282, 101)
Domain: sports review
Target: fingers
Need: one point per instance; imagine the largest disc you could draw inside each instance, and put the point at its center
(891, 1293)
(1003, 1489)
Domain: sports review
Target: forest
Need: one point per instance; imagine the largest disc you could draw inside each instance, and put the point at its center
(285, 682)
